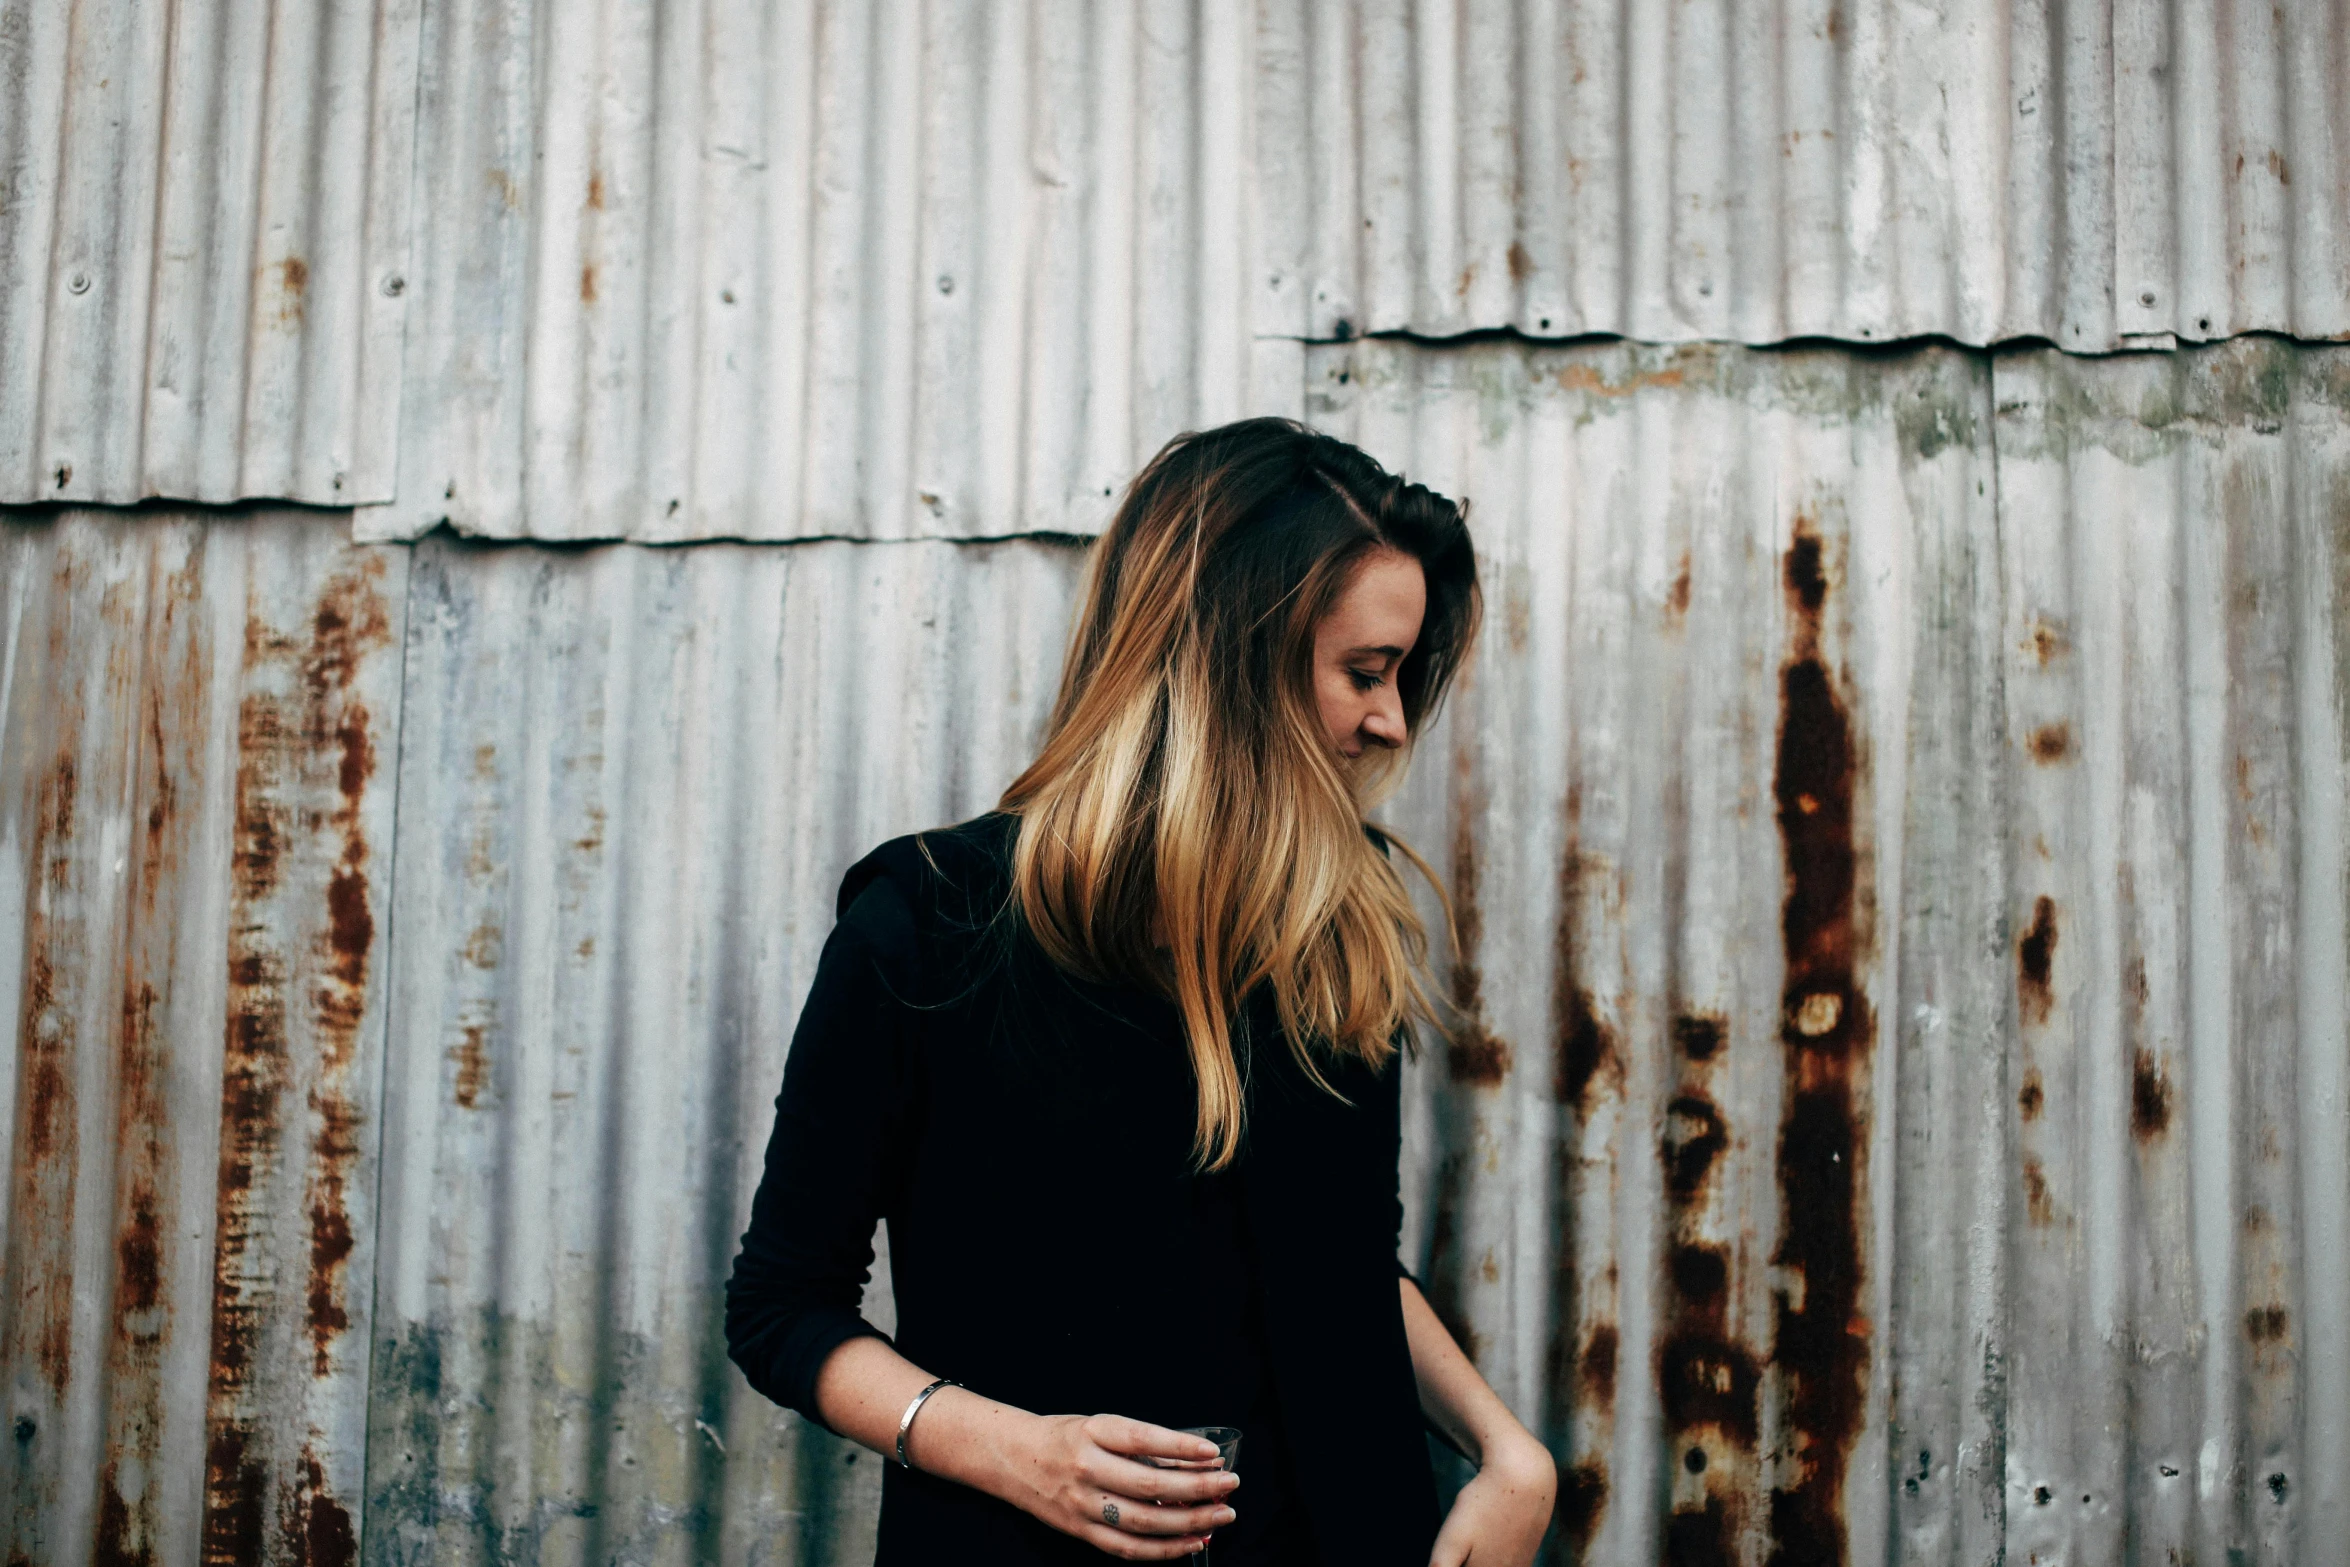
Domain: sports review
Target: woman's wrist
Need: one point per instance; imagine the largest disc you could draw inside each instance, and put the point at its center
(972, 1440)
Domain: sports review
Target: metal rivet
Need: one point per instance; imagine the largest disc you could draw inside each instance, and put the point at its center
(2146, 298)
(726, 296)
(946, 285)
(395, 286)
(79, 283)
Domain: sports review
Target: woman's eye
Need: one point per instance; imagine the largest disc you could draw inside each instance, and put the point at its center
(1365, 680)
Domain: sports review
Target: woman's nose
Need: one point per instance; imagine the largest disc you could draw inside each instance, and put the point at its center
(1383, 724)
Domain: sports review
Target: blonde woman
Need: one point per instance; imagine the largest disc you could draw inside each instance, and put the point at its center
(1118, 1065)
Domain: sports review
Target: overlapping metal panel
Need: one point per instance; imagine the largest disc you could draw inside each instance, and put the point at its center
(747, 271)
(630, 783)
(197, 724)
(203, 231)
(1897, 828)
(1868, 170)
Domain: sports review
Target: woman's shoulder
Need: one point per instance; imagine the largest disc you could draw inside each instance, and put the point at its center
(951, 877)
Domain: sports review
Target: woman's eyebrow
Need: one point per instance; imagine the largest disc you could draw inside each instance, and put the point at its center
(1384, 649)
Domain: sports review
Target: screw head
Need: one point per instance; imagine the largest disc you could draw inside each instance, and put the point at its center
(394, 286)
(79, 283)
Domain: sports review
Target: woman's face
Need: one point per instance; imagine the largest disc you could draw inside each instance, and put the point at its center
(1358, 647)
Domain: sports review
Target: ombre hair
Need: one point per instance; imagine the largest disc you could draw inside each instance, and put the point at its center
(1188, 824)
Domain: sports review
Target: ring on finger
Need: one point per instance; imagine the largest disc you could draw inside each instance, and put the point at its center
(1109, 1512)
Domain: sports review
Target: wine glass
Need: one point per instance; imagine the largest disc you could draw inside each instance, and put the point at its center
(1227, 1440)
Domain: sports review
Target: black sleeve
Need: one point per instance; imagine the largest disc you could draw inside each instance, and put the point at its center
(842, 1129)
(1389, 1108)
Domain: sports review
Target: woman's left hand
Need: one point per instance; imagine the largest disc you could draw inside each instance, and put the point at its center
(1498, 1519)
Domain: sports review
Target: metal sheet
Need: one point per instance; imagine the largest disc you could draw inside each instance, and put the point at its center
(203, 226)
(701, 274)
(195, 813)
(630, 783)
(762, 271)
(2087, 174)
(1903, 903)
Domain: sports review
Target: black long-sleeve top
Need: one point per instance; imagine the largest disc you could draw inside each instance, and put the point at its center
(1027, 1138)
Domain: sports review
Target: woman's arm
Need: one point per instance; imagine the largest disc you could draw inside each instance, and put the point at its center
(1499, 1517)
(1082, 1474)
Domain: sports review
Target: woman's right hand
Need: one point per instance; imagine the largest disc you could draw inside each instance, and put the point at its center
(1091, 1476)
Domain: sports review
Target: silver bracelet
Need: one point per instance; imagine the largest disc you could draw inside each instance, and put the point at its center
(906, 1420)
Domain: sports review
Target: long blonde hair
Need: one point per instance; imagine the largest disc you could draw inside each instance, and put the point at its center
(1188, 824)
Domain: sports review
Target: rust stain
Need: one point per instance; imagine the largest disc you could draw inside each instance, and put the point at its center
(2029, 1098)
(1521, 264)
(48, 1130)
(2051, 743)
(2279, 167)
(1474, 1055)
(483, 946)
(2036, 1200)
(595, 190)
(293, 280)
(2150, 1097)
(1703, 1536)
(1586, 378)
(305, 761)
(587, 284)
(472, 1058)
(1477, 1057)
(1597, 1365)
(1699, 1034)
(2035, 957)
(1709, 1381)
(1582, 1503)
(314, 1526)
(1677, 596)
(1694, 1138)
(1820, 1334)
(2046, 641)
(1584, 1051)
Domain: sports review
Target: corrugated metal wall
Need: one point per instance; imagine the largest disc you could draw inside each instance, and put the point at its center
(744, 269)
(1896, 813)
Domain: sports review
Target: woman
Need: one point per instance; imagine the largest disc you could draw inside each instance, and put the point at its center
(1117, 1063)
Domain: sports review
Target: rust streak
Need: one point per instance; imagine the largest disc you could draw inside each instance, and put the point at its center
(2150, 1097)
(2035, 958)
(1820, 1338)
(1582, 1502)
(1584, 1052)
(306, 759)
(1474, 1054)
